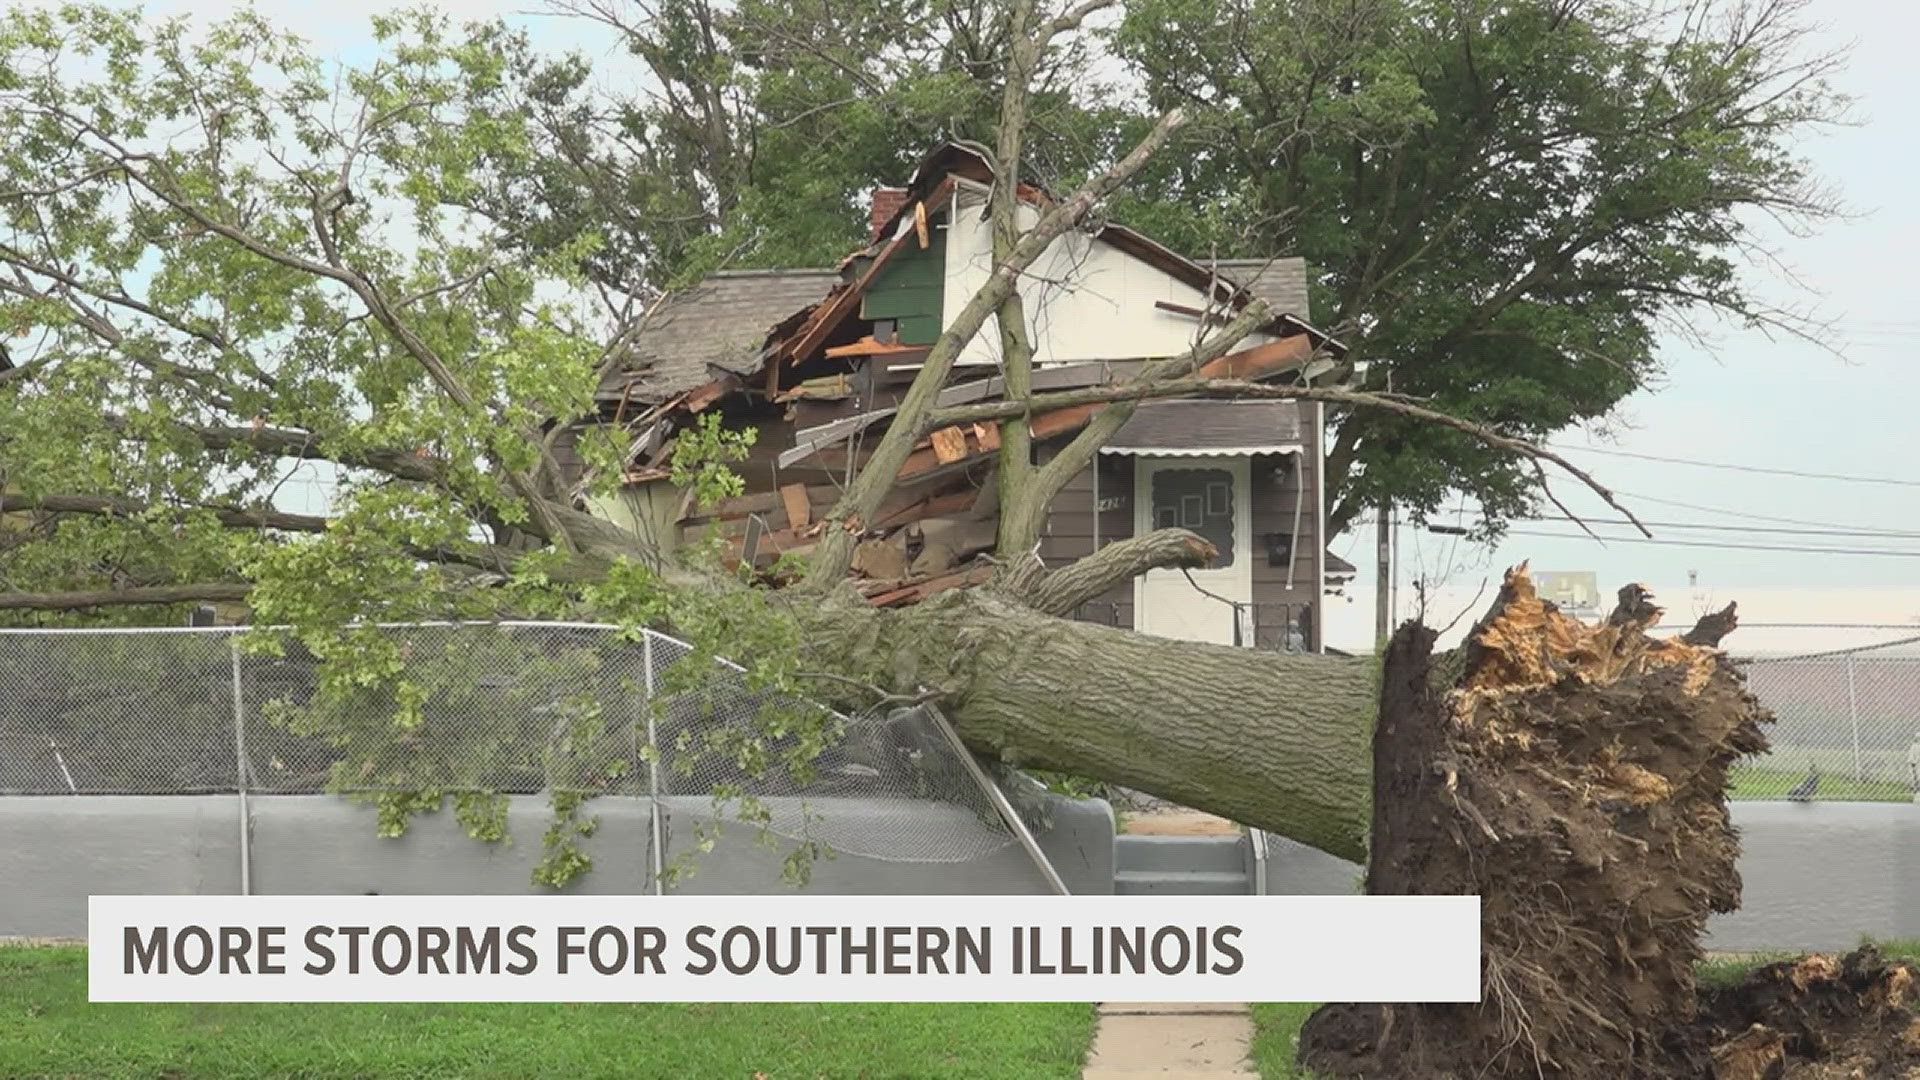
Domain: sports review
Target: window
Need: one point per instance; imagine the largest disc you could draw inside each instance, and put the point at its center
(1200, 500)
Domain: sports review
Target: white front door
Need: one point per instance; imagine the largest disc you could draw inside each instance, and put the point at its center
(1209, 495)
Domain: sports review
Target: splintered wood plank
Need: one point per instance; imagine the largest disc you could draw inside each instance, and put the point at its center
(799, 507)
(950, 445)
(989, 436)
(825, 388)
(1045, 426)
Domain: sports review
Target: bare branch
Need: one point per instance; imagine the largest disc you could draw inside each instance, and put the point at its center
(1071, 19)
(835, 551)
(1400, 406)
(155, 594)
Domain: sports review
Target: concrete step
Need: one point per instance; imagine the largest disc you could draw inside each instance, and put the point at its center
(1222, 853)
(1177, 821)
(1181, 883)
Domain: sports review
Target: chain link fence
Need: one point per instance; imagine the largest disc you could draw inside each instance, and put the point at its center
(496, 709)
(1847, 728)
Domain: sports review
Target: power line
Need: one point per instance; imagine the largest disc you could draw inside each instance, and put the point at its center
(1890, 535)
(1820, 527)
(1881, 534)
(1802, 474)
(1864, 529)
(1722, 546)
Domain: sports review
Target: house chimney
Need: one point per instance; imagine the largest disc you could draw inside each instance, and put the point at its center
(887, 202)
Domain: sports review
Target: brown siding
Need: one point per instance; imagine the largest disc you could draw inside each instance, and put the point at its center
(1069, 535)
(1069, 531)
(566, 454)
(1276, 479)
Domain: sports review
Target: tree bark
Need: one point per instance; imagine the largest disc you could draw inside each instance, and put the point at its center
(1065, 589)
(1278, 741)
(1019, 529)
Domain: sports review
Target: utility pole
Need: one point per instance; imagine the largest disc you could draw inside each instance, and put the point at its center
(1383, 577)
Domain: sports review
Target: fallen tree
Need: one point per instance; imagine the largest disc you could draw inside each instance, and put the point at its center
(1573, 777)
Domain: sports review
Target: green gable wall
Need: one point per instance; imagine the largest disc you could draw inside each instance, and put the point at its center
(909, 291)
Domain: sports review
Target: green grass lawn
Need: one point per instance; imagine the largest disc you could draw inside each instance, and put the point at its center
(1276, 1040)
(48, 1029)
(1775, 783)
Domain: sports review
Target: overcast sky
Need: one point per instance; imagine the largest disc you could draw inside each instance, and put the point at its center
(1771, 404)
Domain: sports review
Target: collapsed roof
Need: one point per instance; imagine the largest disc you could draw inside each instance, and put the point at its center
(715, 328)
(738, 325)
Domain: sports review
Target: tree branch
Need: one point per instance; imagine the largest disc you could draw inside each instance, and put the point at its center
(362, 287)
(580, 569)
(24, 370)
(1077, 453)
(155, 594)
(835, 552)
(1060, 592)
(1071, 19)
(1240, 388)
(232, 517)
(293, 443)
(1017, 528)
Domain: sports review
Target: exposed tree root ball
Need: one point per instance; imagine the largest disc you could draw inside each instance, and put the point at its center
(1574, 778)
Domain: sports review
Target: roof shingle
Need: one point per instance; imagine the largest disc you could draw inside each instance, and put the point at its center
(720, 324)
(1280, 282)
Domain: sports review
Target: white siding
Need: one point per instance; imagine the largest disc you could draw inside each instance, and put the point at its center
(1085, 299)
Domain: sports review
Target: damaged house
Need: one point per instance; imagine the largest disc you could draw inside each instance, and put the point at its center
(816, 359)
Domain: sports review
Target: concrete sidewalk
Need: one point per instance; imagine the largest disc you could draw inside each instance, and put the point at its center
(1196, 1041)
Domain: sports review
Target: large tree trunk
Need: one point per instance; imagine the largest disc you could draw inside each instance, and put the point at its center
(1574, 778)
(1275, 740)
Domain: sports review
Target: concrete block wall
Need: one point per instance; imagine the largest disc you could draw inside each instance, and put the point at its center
(1816, 876)
(55, 851)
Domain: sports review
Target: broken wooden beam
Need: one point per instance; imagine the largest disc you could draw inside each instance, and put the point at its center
(949, 445)
(798, 505)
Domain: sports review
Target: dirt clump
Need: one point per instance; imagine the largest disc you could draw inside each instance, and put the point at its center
(1815, 1018)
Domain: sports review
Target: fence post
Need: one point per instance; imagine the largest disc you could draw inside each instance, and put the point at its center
(999, 800)
(240, 770)
(1853, 714)
(653, 773)
(1257, 840)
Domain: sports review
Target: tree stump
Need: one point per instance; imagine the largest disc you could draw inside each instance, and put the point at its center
(1574, 778)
